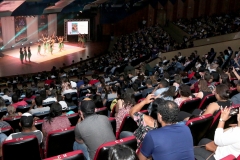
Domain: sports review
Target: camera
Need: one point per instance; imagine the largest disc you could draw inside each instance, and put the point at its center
(234, 111)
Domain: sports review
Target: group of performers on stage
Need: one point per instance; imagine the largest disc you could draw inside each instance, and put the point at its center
(24, 53)
(48, 43)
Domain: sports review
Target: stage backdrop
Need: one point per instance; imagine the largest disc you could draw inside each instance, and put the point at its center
(42, 25)
(31, 30)
(20, 29)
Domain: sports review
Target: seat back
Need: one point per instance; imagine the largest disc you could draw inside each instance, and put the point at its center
(14, 122)
(229, 157)
(102, 111)
(199, 127)
(23, 109)
(45, 104)
(114, 124)
(206, 101)
(26, 148)
(73, 118)
(60, 141)
(190, 105)
(74, 155)
(41, 115)
(102, 151)
(128, 124)
(137, 97)
(7, 130)
(38, 124)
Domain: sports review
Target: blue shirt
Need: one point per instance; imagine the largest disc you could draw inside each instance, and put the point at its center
(172, 142)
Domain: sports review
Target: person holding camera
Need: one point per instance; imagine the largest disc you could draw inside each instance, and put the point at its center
(226, 141)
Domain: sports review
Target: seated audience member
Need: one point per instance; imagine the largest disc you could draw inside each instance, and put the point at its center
(2, 103)
(54, 120)
(17, 103)
(161, 87)
(6, 94)
(97, 100)
(185, 94)
(226, 141)
(135, 88)
(65, 84)
(28, 128)
(11, 112)
(38, 101)
(2, 123)
(88, 139)
(93, 80)
(156, 143)
(224, 79)
(68, 100)
(210, 83)
(29, 95)
(169, 94)
(203, 88)
(178, 81)
(71, 89)
(222, 96)
(43, 94)
(236, 98)
(121, 152)
(145, 122)
(123, 106)
(149, 88)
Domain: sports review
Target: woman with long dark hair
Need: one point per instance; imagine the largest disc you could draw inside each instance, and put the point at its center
(54, 120)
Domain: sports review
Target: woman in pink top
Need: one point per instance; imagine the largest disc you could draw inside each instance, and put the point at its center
(123, 106)
(54, 121)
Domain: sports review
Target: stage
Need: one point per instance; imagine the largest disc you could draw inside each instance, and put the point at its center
(10, 63)
(68, 49)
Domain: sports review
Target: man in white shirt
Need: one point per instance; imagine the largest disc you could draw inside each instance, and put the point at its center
(6, 95)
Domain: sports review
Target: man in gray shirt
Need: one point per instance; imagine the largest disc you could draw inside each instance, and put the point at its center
(38, 101)
(92, 130)
(28, 129)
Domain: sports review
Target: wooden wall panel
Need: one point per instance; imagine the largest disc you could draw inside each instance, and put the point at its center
(180, 7)
(169, 10)
(202, 5)
(190, 9)
(196, 8)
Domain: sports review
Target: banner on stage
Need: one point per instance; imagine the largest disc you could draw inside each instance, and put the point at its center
(20, 28)
(1, 38)
(42, 25)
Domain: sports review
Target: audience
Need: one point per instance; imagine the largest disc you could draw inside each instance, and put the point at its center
(185, 94)
(17, 103)
(38, 101)
(6, 95)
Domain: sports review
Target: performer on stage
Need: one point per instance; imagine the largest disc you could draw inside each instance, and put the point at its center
(44, 40)
(48, 44)
(59, 43)
(25, 53)
(21, 55)
(29, 54)
(80, 40)
(62, 42)
(51, 45)
(83, 40)
(39, 48)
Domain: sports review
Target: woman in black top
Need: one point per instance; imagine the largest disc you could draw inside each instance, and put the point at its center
(204, 90)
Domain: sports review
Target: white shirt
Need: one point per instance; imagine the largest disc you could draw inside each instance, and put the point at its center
(228, 142)
(50, 99)
(69, 91)
(7, 97)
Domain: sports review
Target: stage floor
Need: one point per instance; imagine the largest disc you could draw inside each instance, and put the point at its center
(10, 63)
(68, 49)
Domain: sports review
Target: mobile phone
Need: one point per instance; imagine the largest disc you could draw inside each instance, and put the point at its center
(234, 111)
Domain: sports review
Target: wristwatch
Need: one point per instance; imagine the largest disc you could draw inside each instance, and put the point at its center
(222, 120)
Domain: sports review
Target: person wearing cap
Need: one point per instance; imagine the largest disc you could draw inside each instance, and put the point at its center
(38, 101)
(92, 130)
(28, 128)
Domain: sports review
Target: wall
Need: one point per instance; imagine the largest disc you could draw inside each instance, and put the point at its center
(217, 39)
(218, 47)
(8, 30)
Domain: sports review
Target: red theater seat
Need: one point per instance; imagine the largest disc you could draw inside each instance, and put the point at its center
(102, 111)
(25, 148)
(206, 101)
(229, 157)
(199, 127)
(14, 122)
(102, 151)
(7, 130)
(190, 105)
(59, 142)
(74, 155)
(114, 124)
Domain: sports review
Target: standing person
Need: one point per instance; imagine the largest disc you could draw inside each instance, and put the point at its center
(48, 43)
(172, 140)
(29, 54)
(25, 53)
(39, 48)
(83, 40)
(80, 39)
(44, 40)
(21, 55)
(62, 42)
(51, 45)
(59, 43)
